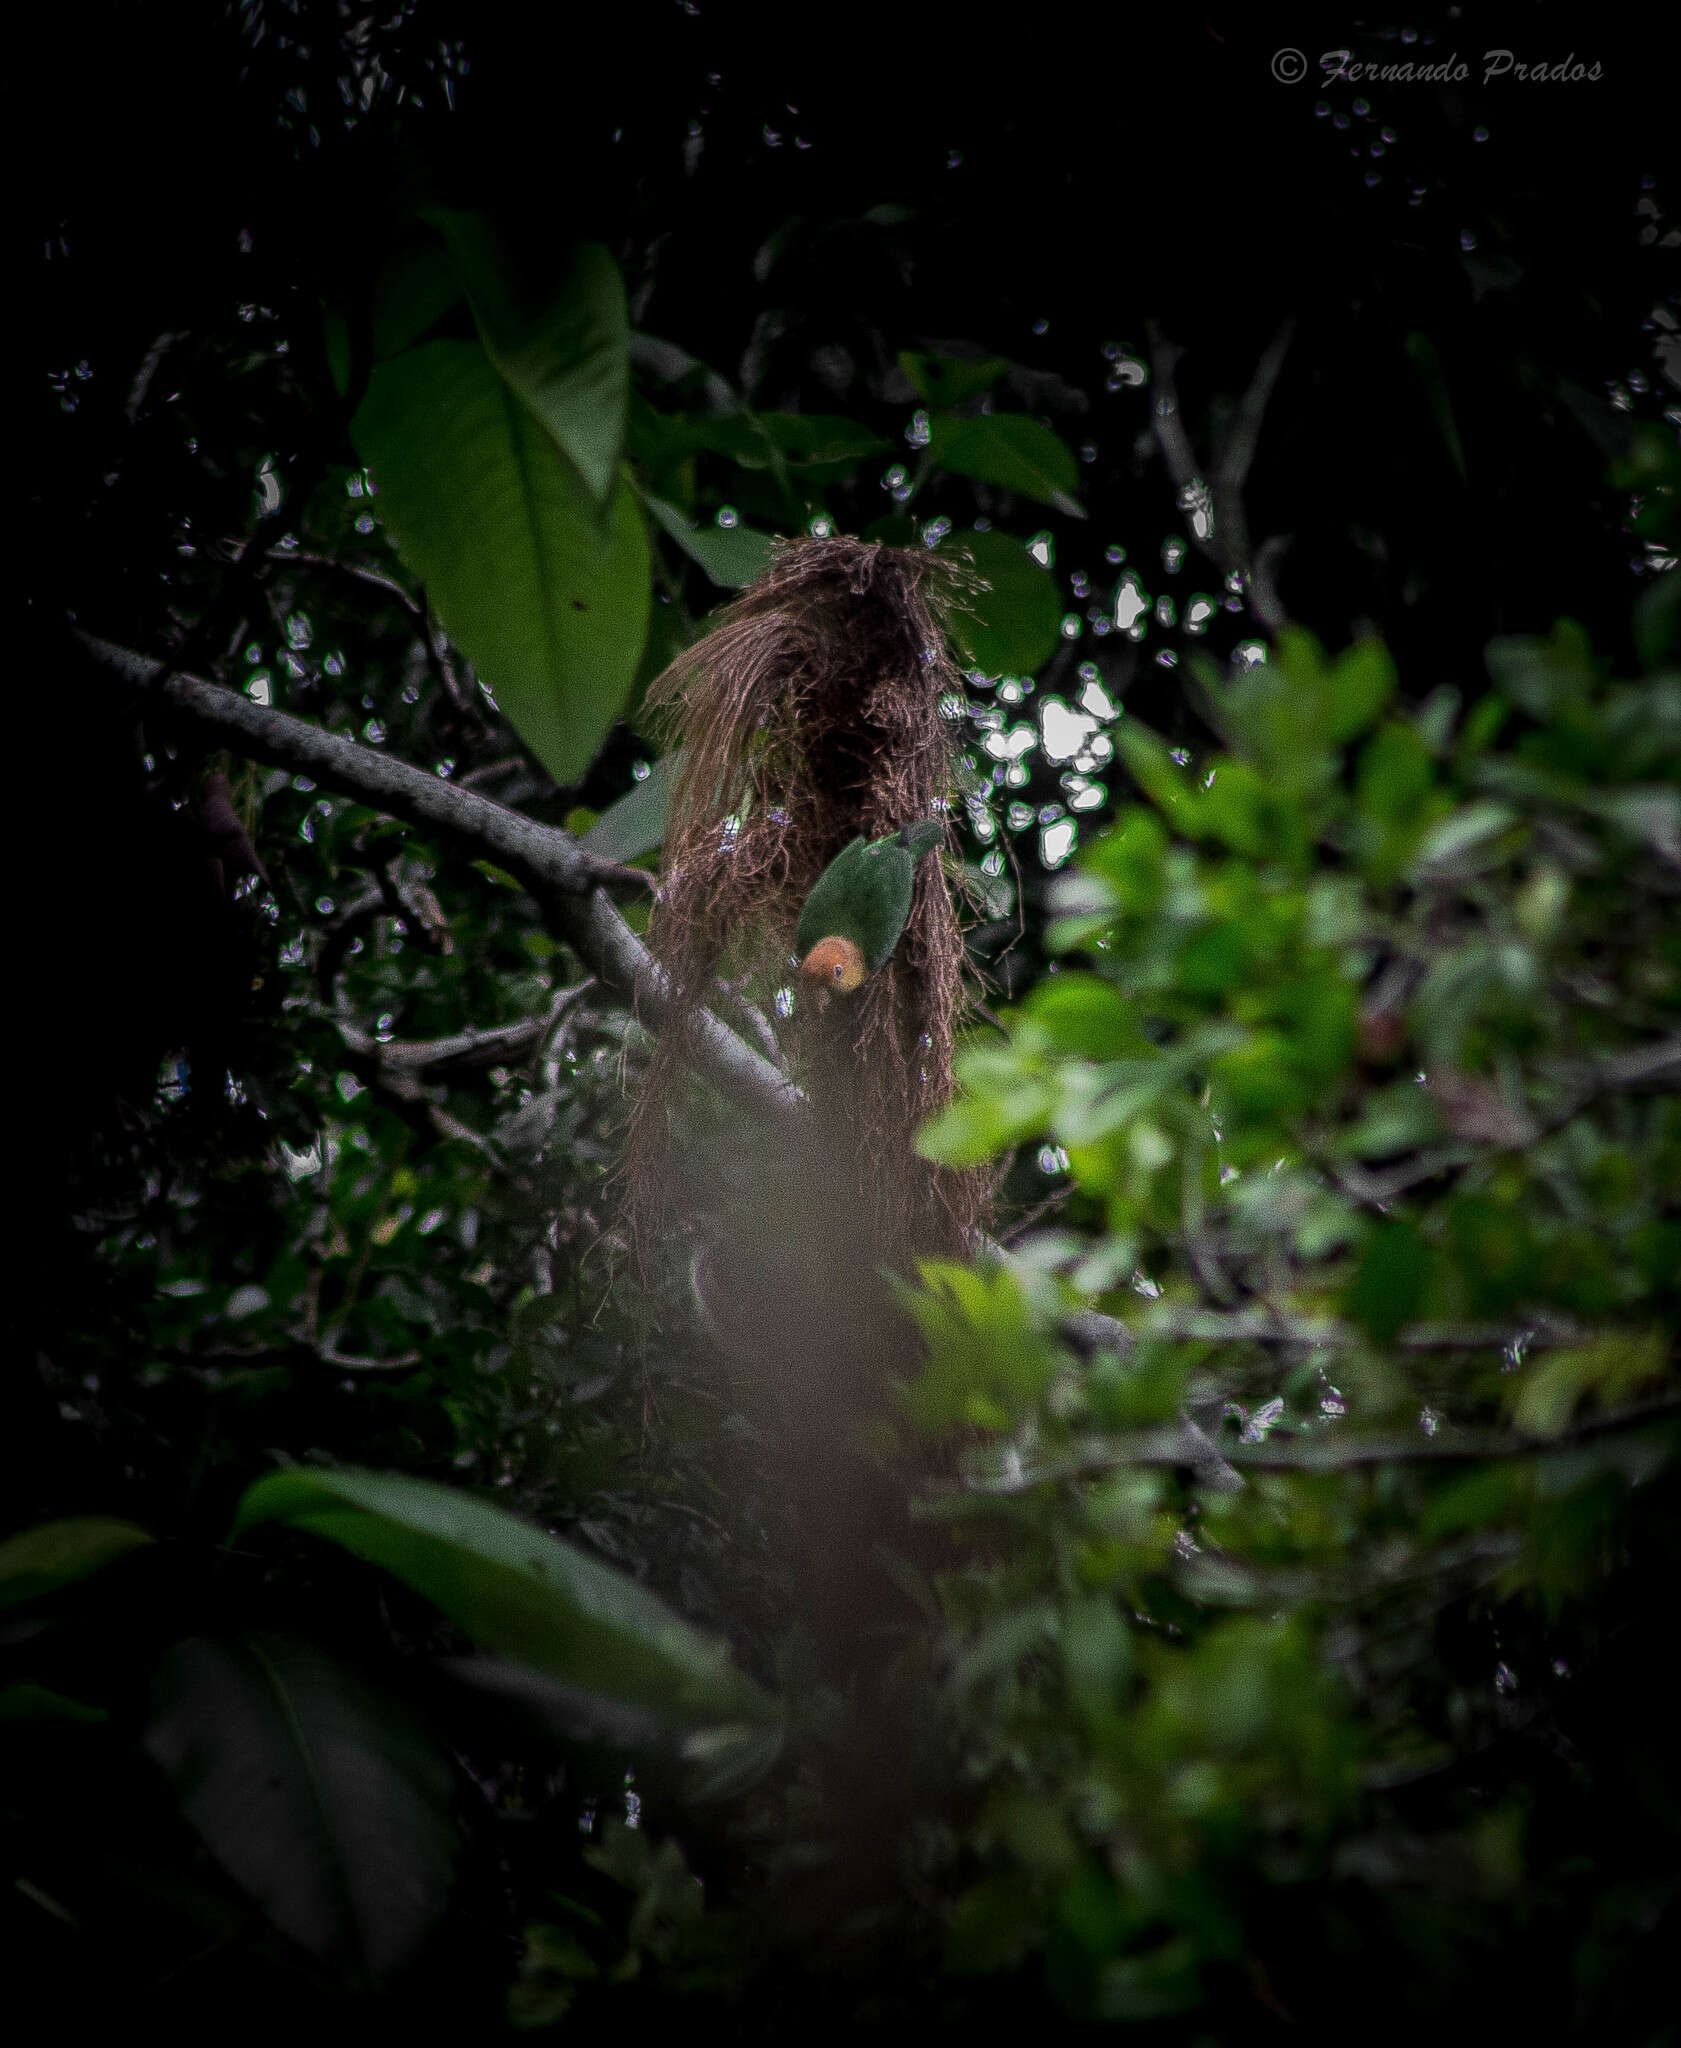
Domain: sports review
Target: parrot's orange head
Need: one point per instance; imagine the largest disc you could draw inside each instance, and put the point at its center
(834, 964)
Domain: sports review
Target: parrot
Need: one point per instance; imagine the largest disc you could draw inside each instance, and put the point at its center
(859, 905)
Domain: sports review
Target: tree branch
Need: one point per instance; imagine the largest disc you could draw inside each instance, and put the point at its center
(1249, 1326)
(388, 586)
(501, 1045)
(495, 1045)
(1460, 1447)
(1222, 534)
(566, 881)
(1232, 471)
(1170, 1445)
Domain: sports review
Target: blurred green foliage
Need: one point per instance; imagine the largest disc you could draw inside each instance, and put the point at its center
(408, 1609)
(1367, 1019)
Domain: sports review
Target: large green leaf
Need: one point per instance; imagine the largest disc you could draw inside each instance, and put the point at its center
(55, 1554)
(500, 528)
(319, 1793)
(950, 380)
(754, 440)
(1012, 627)
(816, 437)
(517, 1590)
(636, 823)
(730, 555)
(561, 341)
(415, 288)
(1013, 451)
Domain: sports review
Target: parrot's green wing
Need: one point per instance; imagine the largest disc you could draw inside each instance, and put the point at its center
(864, 894)
(923, 838)
(828, 911)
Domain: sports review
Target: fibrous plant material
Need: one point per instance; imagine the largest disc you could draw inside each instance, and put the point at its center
(816, 709)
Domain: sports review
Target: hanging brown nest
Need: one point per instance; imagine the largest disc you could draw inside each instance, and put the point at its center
(812, 712)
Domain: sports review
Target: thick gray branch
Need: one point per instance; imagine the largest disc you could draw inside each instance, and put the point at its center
(565, 880)
(603, 941)
(543, 858)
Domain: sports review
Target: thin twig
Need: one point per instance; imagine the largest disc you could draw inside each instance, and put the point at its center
(1023, 1224)
(438, 654)
(149, 362)
(1232, 471)
(499, 1046)
(1378, 1190)
(375, 578)
(1460, 1447)
(1223, 535)
(1247, 1326)
(340, 931)
(740, 1011)
(1169, 1446)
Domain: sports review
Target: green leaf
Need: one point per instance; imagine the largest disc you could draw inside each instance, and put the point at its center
(1359, 684)
(1013, 626)
(667, 638)
(1395, 776)
(1238, 810)
(975, 1128)
(730, 555)
(415, 288)
(893, 530)
(1131, 857)
(754, 441)
(335, 346)
(1012, 451)
(54, 1554)
(1096, 1656)
(1391, 1120)
(561, 342)
(1477, 1501)
(1657, 620)
(321, 1795)
(28, 1701)
(1614, 1368)
(1389, 1286)
(1652, 815)
(1081, 1014)
(1001, 1645)
(1151, 765)
(1426, 360)
(636, 823)
(516, 1590)
(499, 527)
(943, 381)
(1451, 839)
(803, 438)
(1542, 676)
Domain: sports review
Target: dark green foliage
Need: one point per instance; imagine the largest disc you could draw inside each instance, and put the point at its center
(321, 1796)
(1463, 1258)
(412, 1617)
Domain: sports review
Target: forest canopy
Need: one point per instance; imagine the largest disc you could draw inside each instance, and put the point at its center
(1118, 1463)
